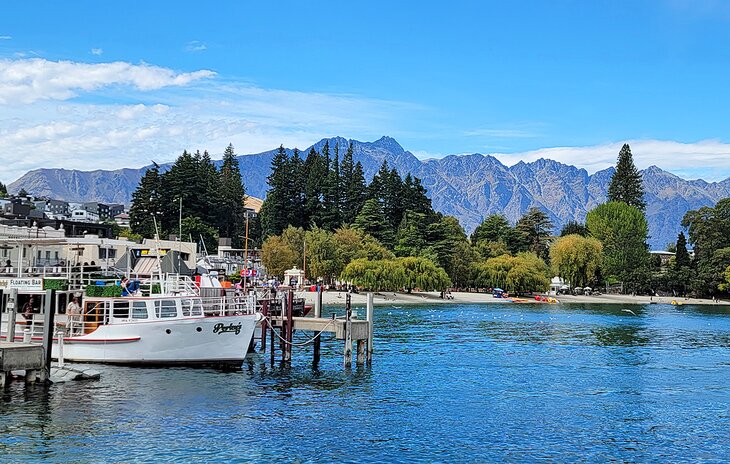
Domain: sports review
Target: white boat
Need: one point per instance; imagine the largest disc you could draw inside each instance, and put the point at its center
(176, 328)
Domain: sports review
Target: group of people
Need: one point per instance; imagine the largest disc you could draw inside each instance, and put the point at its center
(73, 311)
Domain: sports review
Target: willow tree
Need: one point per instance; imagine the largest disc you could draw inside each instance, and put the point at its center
(380, 275)
(525, 272)
(423, 274)
(576, 259)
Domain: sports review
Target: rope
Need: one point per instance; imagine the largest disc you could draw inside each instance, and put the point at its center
(305, 343)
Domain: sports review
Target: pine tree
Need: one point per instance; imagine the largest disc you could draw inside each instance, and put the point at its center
(182, 181)
(3, 190)
(626, 184)
(209, 181)
(372, 220)
(332, 202)
(230, 198)
(681, 257)
(536, 226)
(315, 171)
(275, 210)
(146, 203)
(355, 195)
(297, 188)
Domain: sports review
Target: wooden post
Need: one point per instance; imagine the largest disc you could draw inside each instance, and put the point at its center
(48, 329)
(348, 333)
(264, 324)
(317, 338)
(289, 325)
(360, 352)
(369, 318)
(272, 343)
(12, 314)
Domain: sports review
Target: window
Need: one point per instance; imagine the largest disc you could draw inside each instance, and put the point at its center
(48, 255)
(121, 310)
(165, 309)
(107, 253)
(197, 308)
(139, 310)
(40, 253)
(186, 306)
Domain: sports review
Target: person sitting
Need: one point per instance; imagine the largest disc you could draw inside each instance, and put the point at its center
(125, 286)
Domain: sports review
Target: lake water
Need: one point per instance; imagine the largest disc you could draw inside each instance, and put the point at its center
(475, 383)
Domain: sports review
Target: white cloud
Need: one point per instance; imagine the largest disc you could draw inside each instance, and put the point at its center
(30, 80)
(97, 51)
(77, 135)
(195, 46)
(6, 37)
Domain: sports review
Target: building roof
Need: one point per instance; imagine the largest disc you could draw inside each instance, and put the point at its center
(253, 203)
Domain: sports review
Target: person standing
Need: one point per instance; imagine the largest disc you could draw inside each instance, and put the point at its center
(28, 311)
(73, 310)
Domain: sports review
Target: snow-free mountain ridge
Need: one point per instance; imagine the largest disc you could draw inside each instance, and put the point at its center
(469, 187)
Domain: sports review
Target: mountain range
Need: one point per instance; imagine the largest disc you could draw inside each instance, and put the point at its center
(469, 187)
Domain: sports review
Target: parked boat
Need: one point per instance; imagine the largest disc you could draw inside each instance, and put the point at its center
(177, 327)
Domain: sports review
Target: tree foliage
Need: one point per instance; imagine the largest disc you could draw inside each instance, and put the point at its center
(626, 184)
(574, 227)
(535, 228)
(622, 229)
(230, 198)
(396, 274)
(525, 272)
(576, 259)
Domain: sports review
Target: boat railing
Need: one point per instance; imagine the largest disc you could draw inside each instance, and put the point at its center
(178, 284)
(226, 306)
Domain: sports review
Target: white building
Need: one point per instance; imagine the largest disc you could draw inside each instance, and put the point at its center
(82, 215)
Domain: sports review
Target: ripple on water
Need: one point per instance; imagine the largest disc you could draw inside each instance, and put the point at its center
(452, 384)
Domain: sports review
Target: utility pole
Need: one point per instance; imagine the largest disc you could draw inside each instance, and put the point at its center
(245, 257)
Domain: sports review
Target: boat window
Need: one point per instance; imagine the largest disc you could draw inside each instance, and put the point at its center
(139, 310)
(197, 308)
(165, 308)
(121, 309)
(186, 305)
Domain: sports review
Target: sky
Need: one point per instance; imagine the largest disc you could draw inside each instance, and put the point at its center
(104, 85)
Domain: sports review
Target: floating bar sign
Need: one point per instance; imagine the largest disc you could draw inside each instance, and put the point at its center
(22, 283)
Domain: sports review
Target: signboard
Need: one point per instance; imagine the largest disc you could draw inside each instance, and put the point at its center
(248, 272)
(28, 284)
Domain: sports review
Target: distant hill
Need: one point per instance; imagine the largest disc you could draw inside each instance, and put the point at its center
(469, 187)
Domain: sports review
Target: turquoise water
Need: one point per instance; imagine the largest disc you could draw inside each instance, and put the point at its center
(520, 383)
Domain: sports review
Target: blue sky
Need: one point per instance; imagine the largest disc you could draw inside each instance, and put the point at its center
(105, 85)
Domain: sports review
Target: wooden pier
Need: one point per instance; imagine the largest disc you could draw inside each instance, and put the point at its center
(345, 328)
(22, 357)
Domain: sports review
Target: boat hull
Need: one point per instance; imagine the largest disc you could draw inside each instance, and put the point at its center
(195, 341)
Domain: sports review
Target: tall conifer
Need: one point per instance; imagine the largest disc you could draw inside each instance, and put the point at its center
(626, 185)
(230, 198)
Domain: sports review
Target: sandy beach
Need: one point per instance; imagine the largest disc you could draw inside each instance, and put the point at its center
(399, 298)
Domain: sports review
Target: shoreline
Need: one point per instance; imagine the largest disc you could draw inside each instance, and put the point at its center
(415, 298)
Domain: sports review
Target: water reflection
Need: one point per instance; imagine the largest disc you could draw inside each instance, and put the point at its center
(451, 384)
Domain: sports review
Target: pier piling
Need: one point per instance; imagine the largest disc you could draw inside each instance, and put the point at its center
(348, 332)
(369, 318)
(12, 315)
(317, 338)
(48, 329)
